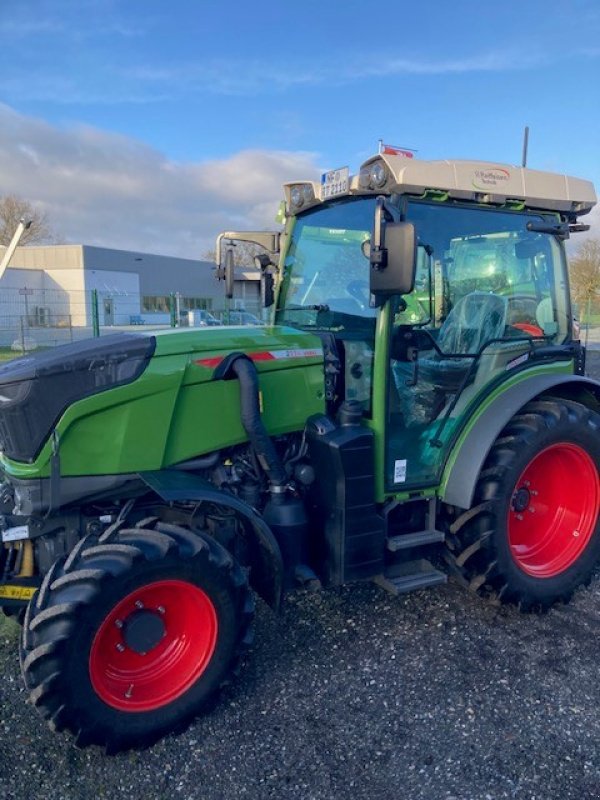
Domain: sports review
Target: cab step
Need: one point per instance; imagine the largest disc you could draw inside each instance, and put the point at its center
(406, 540)
(412, 575)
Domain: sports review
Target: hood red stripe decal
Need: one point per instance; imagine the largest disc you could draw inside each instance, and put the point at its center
(262, 355)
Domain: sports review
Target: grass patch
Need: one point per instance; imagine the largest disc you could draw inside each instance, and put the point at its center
(9, 629)
(6, 354)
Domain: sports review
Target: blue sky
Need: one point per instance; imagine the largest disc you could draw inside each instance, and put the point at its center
(153, 125)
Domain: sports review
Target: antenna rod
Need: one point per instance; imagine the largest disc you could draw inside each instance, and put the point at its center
(525, 143)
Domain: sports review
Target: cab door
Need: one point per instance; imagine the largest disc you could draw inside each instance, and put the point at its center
(488, 293)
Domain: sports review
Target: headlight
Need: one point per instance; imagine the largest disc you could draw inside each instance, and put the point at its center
(296, 197)
(373, 176)
(364, 178)
(301, 194)
(378, 174)
(308, 193)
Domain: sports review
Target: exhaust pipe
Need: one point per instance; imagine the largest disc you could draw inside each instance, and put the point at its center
(246, 373)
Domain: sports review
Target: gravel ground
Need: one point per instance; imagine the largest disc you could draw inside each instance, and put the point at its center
(352, 693)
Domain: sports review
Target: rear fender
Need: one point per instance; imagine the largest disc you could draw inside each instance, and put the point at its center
(469, 453)
(266, 576)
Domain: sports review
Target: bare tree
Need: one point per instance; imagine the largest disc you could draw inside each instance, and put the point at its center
(584, 269)
(12, 211)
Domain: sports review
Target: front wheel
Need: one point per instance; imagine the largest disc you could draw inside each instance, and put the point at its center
(128, 640)
(533, 534)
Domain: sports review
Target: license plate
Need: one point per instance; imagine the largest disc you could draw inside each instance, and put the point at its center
(17, 592)
(15, 534)
(335, 182)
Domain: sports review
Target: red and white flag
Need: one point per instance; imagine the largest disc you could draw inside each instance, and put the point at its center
(391, 150)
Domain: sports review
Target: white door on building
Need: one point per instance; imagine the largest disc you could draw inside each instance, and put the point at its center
(108, 311)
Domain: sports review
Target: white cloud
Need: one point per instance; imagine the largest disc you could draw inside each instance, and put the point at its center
(231, 77)
(109, 190)
(103, 189)
(151, 83)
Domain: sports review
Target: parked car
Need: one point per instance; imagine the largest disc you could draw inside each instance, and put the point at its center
(241, 318)
(201, 319)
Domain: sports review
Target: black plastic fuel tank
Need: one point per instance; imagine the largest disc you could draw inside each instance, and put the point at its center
(344, 497)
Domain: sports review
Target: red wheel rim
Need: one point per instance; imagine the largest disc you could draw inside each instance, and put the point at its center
(185, 623)
(554, 509)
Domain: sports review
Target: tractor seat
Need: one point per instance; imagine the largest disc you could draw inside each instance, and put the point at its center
(477, 318)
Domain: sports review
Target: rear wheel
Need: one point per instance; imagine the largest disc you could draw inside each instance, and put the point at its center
(533, 534)
(128, 640)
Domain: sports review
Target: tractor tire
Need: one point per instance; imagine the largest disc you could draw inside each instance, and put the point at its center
(129, 638)
(532, 536)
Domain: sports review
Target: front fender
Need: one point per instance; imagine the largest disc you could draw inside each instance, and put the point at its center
(470, 451)
(267, 563)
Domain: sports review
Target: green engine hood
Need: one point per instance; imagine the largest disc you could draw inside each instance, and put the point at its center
(176, 409)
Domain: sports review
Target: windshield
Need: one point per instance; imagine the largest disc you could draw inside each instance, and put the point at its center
(464, 251)
(325, 269)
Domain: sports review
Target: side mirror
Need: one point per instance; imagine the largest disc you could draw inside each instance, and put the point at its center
(267, 289)
(226, 272)
(393, 256)
(267, 281)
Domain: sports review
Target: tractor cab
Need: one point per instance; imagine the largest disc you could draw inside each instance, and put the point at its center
(429, 284)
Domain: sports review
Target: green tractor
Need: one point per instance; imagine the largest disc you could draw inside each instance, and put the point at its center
(417, 407)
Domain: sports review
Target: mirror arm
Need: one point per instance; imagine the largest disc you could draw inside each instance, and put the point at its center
(268, 239)
(229, 273)
(378, 254)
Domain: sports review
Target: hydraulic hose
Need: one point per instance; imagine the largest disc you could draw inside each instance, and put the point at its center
(246, 373)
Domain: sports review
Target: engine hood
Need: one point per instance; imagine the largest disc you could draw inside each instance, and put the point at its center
(143, 401)
(208, 346)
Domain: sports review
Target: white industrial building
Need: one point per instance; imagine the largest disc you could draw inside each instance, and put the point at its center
(52, 285)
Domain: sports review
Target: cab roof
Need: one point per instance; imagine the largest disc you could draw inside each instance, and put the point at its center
(476, 181)
(496, 182)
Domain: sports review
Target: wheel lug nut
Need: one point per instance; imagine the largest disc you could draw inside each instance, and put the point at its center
(519, 516)
(531, 510)
(120, 647)
(119, 623)
(161, 609)
(139, 604)
(534, 492)
(576, 533)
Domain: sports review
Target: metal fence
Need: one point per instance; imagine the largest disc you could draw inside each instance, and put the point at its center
(34, 319)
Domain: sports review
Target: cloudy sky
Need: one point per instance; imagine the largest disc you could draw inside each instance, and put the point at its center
(153, 126)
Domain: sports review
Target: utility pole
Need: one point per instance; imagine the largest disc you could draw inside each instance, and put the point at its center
(21, 228)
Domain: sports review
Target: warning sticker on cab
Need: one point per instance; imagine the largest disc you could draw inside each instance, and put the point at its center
(400, 470)
(17, 592)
